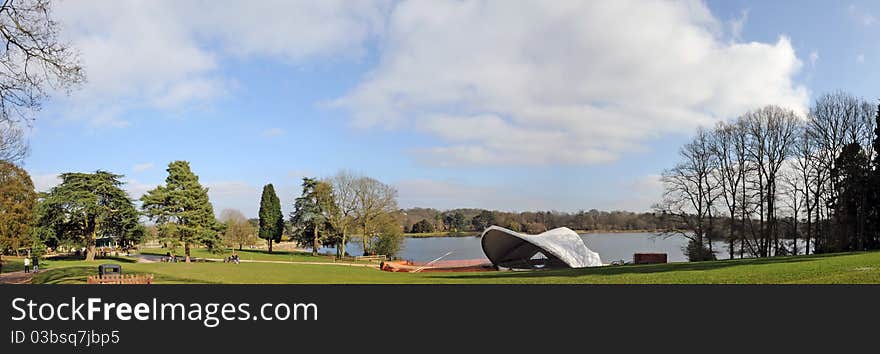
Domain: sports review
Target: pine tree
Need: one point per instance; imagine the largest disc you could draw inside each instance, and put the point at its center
(182, 210)
(271, 219)
(874, 188)
(851, 206)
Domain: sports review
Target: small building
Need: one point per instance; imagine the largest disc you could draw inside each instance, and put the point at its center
(649, 258)
(107, 241)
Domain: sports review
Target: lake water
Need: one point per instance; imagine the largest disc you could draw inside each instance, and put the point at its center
(610, 246)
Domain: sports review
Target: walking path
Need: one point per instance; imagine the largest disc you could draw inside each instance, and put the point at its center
(147, 258)
(370, 265)
(19, 277)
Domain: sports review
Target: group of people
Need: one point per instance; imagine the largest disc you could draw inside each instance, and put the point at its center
(169, 258)
(29, 261)
(232, 259)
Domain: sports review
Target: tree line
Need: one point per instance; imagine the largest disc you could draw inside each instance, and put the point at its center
(428, 220)
(776, 182)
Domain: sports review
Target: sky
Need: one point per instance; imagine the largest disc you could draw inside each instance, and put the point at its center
(505, 105)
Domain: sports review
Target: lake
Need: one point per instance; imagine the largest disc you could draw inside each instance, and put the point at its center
(610, 246)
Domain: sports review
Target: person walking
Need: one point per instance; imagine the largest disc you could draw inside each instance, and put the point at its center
(36, 264)
(27, 264)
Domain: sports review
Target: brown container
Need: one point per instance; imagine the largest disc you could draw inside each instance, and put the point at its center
(649, 258)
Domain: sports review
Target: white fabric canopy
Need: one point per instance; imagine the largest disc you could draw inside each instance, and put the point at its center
(507, 248)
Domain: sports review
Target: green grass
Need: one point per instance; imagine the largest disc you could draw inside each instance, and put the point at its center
(834, 268)
(12, 264)
(247, 254)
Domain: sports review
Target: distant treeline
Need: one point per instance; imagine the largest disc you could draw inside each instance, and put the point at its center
(425, 220)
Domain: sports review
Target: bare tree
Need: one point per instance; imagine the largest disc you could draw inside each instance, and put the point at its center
(688, 196)
(805, 167)
(836, 120)
(13, 147)
(794, 192)
(34, 59)
(374, 199)
(731, 163)
(771, 132)
(239, 231)
(345, 195)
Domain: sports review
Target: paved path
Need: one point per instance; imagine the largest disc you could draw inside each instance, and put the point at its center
(19, 277)
(370, 265)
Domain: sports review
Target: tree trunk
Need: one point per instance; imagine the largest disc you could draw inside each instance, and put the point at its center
(90, 243)
(364, 239)
(240, 246)
(186, 251)
(794, 248)
(341, 251)
(269, 241)
(315, 242)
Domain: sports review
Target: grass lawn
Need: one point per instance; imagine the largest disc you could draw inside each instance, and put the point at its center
(861, 267)
(246, 254)
(12, 264)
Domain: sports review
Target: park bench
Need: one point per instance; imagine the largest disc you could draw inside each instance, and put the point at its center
(120, 279)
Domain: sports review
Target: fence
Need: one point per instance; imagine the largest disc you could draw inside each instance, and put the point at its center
(121, 279)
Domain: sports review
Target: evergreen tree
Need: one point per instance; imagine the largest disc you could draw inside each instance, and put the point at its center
(312, 210)
(86, 205)
(874, 186)
(851, 206)
(422, 226)
(182, 210)
(271, 219)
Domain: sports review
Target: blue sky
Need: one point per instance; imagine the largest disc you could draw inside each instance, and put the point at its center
(500, 105)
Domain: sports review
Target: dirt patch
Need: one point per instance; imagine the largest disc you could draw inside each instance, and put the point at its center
(19, 277)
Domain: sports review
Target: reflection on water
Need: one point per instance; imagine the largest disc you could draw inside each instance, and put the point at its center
(610, 246)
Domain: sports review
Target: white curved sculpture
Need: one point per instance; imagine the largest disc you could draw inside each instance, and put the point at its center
(560, 246)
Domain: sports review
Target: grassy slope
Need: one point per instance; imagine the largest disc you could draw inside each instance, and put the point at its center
(838, 268)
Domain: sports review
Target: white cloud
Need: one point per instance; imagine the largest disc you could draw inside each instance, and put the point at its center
(166, 54)
(136, 189)
(141, 167)
(564, 82)
(45, 182)
(271, 132)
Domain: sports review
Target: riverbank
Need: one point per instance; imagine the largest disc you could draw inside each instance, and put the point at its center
(844, 268)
